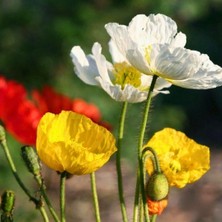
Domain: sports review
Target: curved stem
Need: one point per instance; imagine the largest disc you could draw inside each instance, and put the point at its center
(95, 197)
(140, 146)
(118, 162)
(62, 195)
(14, 171)
(38, 203)
(156, 163)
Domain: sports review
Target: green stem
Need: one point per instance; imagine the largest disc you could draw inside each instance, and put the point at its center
(47, 201)
(14, 171)
(37, 202)
(140, 179)
(118, 162)
(153, 219)
(136, 200)
(62, 195)
(155, 160)
(141, 216)
(95, 196)
(44, 215)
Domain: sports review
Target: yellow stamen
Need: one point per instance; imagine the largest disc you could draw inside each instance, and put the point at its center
(175, 166)
(126, 74)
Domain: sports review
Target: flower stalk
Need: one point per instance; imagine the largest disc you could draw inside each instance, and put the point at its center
(140, 178)
(118, 162)
(47, 201)
(62, 196)
(95, 196)
(38, 203)
(154, 158)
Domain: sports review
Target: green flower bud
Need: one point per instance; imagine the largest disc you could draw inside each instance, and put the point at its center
(157, 187)
(7, 202)
(31, 160)
(2, 133)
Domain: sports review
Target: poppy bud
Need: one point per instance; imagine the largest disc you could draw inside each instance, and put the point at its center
(157, 187)
(7, 205)
(31, 160)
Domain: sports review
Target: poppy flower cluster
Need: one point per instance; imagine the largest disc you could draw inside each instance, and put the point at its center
(20, 113)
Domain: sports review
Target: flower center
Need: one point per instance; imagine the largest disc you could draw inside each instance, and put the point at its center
(175, 166)
(126, 74)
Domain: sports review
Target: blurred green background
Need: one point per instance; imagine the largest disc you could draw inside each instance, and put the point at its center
(36, 37)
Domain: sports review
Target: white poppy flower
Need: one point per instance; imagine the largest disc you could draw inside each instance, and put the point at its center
(120, 80)
(153, 46)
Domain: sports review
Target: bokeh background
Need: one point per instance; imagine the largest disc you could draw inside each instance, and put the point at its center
(36, 37)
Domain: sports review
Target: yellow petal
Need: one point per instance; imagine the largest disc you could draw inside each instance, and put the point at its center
(72, 142)
(181, 158)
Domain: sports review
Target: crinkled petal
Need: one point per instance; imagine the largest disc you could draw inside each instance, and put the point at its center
(85, 66)
(137, 58)
(181, 159)
(72, 142)
(119, 34)
(146, 30)
(129, 93)
(179, 40)
(117, 57)
(101, 61)
(185, 68)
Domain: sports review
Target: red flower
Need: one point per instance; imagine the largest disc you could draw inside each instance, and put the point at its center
(11, 94)
(48, 100)
(21, 115)
(87, 109)
(23, 124)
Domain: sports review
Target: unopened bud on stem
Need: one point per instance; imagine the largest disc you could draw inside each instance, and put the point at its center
(31, 160)
(7, 206)
(157, 187)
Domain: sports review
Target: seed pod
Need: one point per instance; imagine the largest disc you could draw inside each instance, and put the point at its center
(157, 187)
(7, 202)
(31, 160)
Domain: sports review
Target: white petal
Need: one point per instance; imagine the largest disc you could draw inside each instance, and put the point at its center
(152, 29)
(117, 57)
(185, 68)
(174, 63)
(159, 86)
(179, 40)
(208, 76)
(85, 66)
(162, 84)
(101, 61)
(137, 30)
(137, 58)
(129, 93)
(119, 35)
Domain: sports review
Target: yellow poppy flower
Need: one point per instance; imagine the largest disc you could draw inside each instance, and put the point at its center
(73, 143)
(181, 159)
